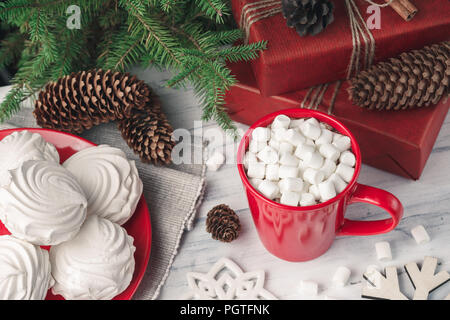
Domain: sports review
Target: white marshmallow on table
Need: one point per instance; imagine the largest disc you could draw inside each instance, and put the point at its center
(215, 161)
(291, 184)
(269, 189)
(275, 144)
(272, 172)
(281, 121)
(303, 149)
(307, 199)
(345, 172)
(327, 190)
(325, 137)
(268, 155)
(255, 182)
(420, 234)
(341, 142)
(288, 172)
(329, 151)
(286, 147)
(308, 288)
(373, 275)
(261, 134)
(314, 160)
(256, 146)
(294, 137)
(279, 134)
(383, 250)
(314, 190)
(256, 170)
(288, 159)
(348, 158)
(328, 168)
(339, 184)
(290, 198)
(311, 131)
(313, 176)
(341, 276)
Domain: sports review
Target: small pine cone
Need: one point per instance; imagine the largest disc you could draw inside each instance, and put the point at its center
(149, 133)
(84, 99)
(308, 16)
(414, 79)
(223, 223)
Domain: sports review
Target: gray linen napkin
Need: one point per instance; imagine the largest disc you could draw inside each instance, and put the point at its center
(173, 195)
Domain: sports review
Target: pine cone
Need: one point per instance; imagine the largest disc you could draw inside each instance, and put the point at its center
(414, 79)
(223, 223)
(149, 133)
(308, 16)
(84, 99)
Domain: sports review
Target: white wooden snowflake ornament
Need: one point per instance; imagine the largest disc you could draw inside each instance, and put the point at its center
(226, 281)
(388, 288)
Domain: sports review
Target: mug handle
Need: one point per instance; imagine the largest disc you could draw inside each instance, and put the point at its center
(380, 198)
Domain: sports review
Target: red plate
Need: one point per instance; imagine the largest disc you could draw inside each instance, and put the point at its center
(139, 226)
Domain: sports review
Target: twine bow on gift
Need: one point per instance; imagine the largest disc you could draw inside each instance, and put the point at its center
(362, 39)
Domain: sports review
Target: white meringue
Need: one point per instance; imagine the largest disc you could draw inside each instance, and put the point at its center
(21, 146)
(110, 181)
(43, 203)
(97, 264)
(24, 270)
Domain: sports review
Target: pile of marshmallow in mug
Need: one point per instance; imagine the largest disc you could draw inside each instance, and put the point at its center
(299, 161)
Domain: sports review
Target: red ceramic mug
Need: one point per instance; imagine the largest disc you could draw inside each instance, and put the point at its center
(304, 233)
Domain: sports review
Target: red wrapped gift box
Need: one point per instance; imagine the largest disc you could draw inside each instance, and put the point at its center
(396, 141)
(292, 62)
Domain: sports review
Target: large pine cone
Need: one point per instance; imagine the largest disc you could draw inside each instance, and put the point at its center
(149, 133)
(414, 79)
(308, 16)
(84, 99)
(223, 223)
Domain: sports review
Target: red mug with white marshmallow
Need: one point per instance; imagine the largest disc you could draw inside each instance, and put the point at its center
(301, 233)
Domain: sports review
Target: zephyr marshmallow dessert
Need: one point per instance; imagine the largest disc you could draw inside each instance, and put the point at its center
(25, 272)
(299, 162)
(110, 180)
(97, 264)
(43, 203)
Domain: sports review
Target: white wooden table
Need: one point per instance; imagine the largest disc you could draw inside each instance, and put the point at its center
(426, 202)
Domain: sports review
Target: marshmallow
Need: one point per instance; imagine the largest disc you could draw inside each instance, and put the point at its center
(311, 131)
(290, 198)
(296, 123)
(256, 170)
(302, 167)
(215, 161)
(291, 184)
(306, 186)
(345, 172)
(255, 182)
(420, 234)
(272, 172)
(268, 155)
(261, 134)
(373, 276)
(310, 142)
(339, 184)
(302, 150)
(286, 147)
(383, 251)
(313, 121)
(341, 276)
(329, 151)
(288, 172)
(314, 190)
(307, 199)
(325, 137)
(288, 159)
(269, 189)
(281, 121)
(348, 158)
(328, 168)
(308, 288)
(314, 160)
(341, 142)
(249, 158)
(275, 144)
(327, 190)
(279, 134)
(256, 146)
(294, 137)
(313, 176)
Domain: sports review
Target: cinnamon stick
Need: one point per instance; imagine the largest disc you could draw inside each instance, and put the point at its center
(404, 8)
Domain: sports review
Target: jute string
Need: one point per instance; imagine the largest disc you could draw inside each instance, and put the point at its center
(259, 10)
